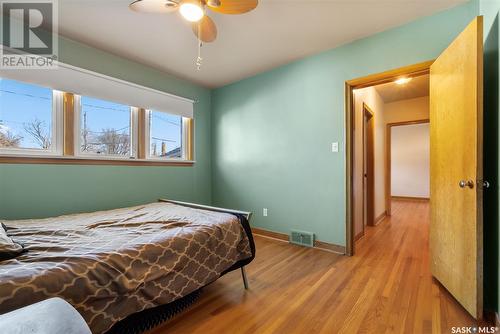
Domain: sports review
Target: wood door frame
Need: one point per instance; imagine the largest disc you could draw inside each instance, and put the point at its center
(363, 82)
(388, 153)
(369, 164)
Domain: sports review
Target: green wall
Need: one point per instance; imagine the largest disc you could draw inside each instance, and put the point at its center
(272, 133)
(30, 191)
(490, 10)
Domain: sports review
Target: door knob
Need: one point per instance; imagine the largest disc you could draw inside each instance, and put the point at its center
(465, 183)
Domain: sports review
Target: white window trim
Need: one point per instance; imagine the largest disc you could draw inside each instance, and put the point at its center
(57, 133)
(184, 139)
(134, 125)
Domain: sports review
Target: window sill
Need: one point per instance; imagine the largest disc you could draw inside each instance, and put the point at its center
(71, 160)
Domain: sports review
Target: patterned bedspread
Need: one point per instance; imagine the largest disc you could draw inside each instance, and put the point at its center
(111, 264)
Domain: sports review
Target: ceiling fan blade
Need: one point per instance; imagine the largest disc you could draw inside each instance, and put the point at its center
(205, 29)
(154, 6)
(233, 6)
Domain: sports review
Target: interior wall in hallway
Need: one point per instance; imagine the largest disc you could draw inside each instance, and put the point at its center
(407, 110)
(372, 99)
(410, 163)
(410, 145)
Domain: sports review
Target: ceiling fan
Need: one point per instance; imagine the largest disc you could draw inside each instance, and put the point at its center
(194, 11)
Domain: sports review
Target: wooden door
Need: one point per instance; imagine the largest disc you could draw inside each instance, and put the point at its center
(456, 114)
(368, 167)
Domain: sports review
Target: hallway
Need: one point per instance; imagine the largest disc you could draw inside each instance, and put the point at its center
(385, 288)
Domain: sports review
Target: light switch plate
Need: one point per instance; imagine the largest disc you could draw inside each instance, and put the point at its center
(264, 212)
(335, 147)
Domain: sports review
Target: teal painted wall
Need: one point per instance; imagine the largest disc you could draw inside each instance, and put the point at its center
(490, 10)
(272, 133)
(31, 191)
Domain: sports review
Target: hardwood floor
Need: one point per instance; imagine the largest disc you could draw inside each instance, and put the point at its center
(385, 288)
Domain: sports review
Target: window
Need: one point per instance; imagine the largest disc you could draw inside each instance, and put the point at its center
(166, 136)
(44, 125)
(105, 128)
(30, 119)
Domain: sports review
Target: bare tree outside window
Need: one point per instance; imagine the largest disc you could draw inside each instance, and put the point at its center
(111, 141)
(38, 130)
(8, 139)
(26, 115)
(105, 127)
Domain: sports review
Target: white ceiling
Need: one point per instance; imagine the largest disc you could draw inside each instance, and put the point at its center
(392, 92)
(277, 32)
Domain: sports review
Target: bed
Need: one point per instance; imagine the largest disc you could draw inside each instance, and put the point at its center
(113, 264)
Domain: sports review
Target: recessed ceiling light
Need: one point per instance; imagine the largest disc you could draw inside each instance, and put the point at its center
(402, 81)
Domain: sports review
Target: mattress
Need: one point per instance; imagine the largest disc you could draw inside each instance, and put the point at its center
(111, 264)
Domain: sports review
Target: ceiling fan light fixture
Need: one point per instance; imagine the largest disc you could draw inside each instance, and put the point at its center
(213, 3)
(191, 11)
(154, 6)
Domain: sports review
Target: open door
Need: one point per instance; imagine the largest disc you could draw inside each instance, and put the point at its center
(456, 114)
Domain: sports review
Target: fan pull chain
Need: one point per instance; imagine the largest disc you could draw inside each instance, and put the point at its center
(199, 60)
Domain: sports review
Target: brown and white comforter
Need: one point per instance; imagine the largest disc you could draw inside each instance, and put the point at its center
(111, 264)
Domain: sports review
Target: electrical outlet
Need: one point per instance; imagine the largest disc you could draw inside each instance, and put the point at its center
(335, 147)
(264, 212)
